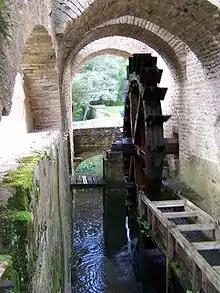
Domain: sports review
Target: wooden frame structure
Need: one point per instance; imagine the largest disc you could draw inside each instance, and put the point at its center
(172, 240)
(91, 181)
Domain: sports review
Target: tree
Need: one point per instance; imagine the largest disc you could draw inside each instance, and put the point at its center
(100, 80)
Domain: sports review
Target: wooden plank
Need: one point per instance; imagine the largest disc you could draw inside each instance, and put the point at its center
(89, 180)
(79, 179)
(73, 180)
(84, 179)
(6, 284)
(94, 179)
(77, 159)
(101, 181)
(196, 278)
(169, 203)
(157, 212)
(210, 275)
(203, 215)
(196, 227)
(171, 146)
(206, 245)
(169, 257)
(193, 254)
(185, 214)
(217, 269)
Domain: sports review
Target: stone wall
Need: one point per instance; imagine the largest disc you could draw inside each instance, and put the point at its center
(36, 219)
(41, 81)
(23, 17)
(91, 141)
(199, 134)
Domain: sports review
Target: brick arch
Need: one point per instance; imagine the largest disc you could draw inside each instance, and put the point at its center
(168, 47)
(40, 79)
(171, 55)
(80, 60)
(195, 23)
(138, 33)
(121, 46)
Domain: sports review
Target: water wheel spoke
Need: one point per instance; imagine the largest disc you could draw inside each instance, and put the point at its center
(145, 117)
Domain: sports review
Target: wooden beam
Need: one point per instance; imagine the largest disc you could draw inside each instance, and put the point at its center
(216, 268)
(203, 215)
(206, 245)
(77, 159)
(196, 227)
(157, 212)
(208, 271)
(6, 284)
(186, 214)
(171, 146)
(169, 203)
(84, 179)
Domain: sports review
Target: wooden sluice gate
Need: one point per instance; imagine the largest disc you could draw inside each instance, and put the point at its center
(187, 236)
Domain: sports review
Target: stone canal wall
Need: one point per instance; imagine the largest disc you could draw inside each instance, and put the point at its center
(36, 222)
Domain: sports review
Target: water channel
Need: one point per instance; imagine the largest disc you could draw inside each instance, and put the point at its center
(106, 256)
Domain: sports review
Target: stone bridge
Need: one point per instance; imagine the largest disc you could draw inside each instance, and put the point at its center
(91, 139)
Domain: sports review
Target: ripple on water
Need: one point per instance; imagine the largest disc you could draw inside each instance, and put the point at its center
(92, 271)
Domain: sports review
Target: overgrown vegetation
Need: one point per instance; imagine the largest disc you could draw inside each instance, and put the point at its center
(16, 228)
(144, 226)
(100, 82)
(91, 166)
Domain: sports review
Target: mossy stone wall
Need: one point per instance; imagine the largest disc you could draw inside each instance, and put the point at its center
(33, 231)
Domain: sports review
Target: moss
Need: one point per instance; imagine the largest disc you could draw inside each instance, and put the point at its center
(24, 216)
(10, 273)
(37, 190)
(5, 258)
(180, 273)
(57, 277)
(17, 227)
(33, 159)
(144, 226)
(47, 156)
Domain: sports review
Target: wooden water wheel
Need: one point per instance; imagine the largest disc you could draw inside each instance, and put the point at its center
(143, 125)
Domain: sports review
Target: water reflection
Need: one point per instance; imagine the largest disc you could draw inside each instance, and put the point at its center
(102, 260)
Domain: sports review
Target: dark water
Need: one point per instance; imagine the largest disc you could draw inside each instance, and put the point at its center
(105, 246)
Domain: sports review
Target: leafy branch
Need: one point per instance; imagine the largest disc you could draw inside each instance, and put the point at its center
(144, 227)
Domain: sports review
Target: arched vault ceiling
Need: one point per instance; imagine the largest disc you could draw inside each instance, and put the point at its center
(154, 41)
(123, 44)
(195, 22)
(172, 40)
(116, 45)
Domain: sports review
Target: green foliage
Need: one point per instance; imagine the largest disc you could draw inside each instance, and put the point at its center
(17, 226)
(144, 227)
(11, 274)
(85, 167)
(20, 216)
(78, 111)
(100, 81)
(91, 166)
(5, 258)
